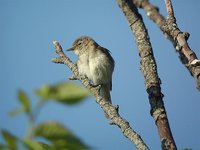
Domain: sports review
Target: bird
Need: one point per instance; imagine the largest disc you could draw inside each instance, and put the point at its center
(96, 63)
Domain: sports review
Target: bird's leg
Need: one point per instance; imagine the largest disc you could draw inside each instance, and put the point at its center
(94, 85)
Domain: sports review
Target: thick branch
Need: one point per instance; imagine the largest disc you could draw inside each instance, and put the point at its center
(176, 36)
(110, 111)
(149, 70)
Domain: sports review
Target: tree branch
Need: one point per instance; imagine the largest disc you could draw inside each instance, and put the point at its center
(149, 70)
(174, 34)
(169, 8)
(110, 111)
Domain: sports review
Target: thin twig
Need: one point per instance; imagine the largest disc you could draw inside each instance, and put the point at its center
(171, 28)
(110, 111)
(174, 34)
(169, 8)
(149, 70)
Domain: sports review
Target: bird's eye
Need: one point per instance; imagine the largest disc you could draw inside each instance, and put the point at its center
(79, 43)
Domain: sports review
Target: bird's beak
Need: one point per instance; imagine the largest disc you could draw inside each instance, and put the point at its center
(70, 49)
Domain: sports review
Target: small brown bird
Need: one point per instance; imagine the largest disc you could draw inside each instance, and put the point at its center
(96, 63)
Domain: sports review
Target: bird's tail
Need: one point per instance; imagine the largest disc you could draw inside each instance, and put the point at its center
(105, 92)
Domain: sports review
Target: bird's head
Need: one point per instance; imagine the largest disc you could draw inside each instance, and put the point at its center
(82, 44)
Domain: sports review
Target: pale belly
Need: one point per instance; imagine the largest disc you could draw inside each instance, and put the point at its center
(97, 70)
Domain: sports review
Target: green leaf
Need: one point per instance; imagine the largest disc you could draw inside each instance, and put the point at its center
(45, 92)
(3, 147)
(24, 101)
(67, 93)
(9, 139)
(59, 136)
(70, 93)
(33, 145)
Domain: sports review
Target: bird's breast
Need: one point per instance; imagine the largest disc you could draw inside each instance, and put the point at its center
(83, 66)
(99, 69)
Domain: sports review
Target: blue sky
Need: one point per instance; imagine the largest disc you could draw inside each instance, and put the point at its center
(27, 30)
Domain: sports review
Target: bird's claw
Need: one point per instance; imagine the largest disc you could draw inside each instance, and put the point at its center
(98, 86)
(116, 107)
(73, 77)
